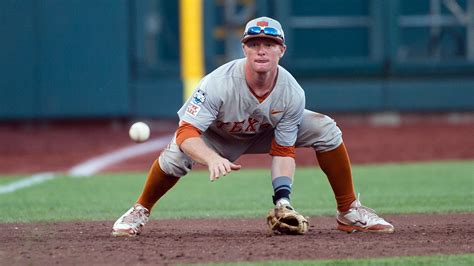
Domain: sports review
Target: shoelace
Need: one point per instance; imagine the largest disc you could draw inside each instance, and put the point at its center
(134, 216)
(366, 212)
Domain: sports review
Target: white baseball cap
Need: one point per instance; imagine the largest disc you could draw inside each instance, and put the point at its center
(264, 27)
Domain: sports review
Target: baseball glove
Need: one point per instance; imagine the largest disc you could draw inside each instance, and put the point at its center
(285, 220)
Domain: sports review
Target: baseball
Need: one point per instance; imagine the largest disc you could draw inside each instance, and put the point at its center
(139, 132)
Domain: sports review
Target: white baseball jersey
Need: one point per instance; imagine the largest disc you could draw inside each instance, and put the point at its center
(224, 104)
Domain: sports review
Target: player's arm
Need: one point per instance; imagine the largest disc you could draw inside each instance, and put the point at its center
(283, 166)
(283, 144)
(196, 115)
(189, 140)
(283, 160)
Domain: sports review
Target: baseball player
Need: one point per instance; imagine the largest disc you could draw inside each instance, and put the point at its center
(253, 105)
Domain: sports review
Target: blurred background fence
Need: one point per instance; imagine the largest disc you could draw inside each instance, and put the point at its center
(121, 58)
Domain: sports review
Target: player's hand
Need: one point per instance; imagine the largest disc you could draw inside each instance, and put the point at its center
(220, 167)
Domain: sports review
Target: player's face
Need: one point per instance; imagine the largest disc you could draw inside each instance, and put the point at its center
(263, 54)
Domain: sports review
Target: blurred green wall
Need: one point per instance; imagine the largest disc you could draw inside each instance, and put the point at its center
(120, 58)
(64, 59)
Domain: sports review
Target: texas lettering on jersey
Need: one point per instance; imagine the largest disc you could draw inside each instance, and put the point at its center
(249, 126)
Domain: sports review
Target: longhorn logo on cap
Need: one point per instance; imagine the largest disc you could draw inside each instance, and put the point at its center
(262, 23)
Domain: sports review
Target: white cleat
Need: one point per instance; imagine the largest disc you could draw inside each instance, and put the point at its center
(361, 218)
(131, 222)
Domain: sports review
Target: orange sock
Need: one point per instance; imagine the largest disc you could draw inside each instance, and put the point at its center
(337, 167)
(156, 185)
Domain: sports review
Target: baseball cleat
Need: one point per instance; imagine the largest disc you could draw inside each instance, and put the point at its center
(131, 222)
(363, 219)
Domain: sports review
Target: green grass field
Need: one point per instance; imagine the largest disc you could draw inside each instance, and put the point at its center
(438, 187)
(408, 188)
(451, 260)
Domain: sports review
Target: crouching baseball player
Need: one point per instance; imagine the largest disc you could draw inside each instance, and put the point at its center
(253, 105)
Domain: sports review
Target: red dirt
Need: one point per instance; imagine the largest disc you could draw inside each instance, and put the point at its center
(228, 240)
(57, 146)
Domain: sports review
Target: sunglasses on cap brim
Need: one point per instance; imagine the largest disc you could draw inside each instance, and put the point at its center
(256, 30)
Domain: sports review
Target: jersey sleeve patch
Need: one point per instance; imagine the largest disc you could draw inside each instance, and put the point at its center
(199, 97)
(193, 109)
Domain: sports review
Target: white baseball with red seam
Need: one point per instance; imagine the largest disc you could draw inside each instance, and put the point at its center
(139, 132)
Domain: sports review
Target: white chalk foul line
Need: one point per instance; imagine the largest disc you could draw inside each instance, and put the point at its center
(27, 182)
(96, 164)
(93, 165)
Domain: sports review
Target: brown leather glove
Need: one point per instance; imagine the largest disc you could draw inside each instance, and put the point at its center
(285, 220)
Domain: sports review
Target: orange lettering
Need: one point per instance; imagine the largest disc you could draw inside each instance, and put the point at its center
(221, 124)
(237, 127)
(252, 122)
(265, 126)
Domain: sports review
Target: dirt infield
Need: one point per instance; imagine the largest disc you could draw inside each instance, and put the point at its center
(45, 146)
(233, 240)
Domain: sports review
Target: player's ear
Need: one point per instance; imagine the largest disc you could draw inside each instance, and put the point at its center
(243, 49)
(282, 49)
